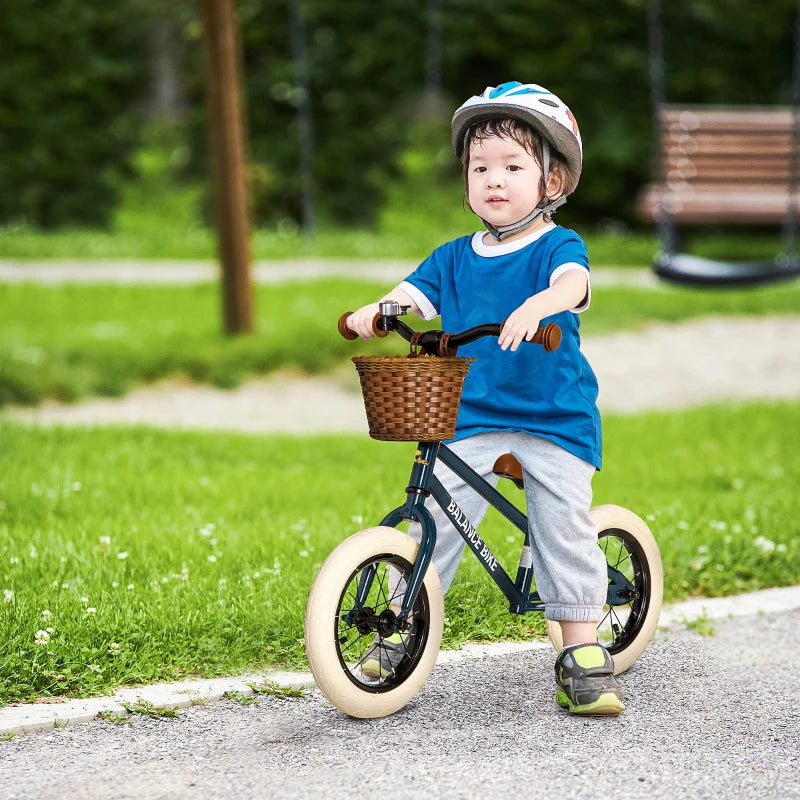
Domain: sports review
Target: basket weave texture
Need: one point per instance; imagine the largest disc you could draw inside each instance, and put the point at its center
(411, 399)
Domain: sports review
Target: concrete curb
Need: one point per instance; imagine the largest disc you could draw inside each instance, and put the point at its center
(33, 717)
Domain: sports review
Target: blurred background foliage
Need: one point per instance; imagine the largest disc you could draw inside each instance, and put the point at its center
(103, 105)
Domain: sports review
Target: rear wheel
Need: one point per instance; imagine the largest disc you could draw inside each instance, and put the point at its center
(636, 586)
(339, 629)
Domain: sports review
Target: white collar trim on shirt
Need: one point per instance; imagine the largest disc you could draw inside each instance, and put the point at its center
(502, 249)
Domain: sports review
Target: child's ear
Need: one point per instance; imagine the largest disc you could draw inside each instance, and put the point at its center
(555, 183)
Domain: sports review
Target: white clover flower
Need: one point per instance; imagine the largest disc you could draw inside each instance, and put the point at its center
(114, 649)
(94, 668)
(303, 554)
(41, 638)
(105, 541)
(764, 544)
(114, 584)
(91, 610)
(212, 559)
(84, 600)
(8, 596)
(50, 630)
(47, 614)
(122, 556)
(130, 586)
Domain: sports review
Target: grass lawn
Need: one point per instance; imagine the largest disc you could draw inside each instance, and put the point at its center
(133, 555)
(140, 232)
(77, 340)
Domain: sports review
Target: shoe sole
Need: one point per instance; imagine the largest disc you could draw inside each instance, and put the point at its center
(607, 705)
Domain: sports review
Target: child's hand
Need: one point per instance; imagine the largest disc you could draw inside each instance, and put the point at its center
(360, 321)
(522, 324)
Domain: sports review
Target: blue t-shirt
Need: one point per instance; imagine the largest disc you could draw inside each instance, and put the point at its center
(552, 395)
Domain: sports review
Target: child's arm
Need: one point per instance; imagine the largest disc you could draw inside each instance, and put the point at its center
(567, 292)
(361, 321)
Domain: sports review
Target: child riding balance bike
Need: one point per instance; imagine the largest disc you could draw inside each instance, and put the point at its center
(518, 402)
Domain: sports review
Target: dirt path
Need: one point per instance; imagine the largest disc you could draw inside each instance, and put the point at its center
(663, 366)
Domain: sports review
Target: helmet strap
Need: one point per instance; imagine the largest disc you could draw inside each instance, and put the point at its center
(509, 230)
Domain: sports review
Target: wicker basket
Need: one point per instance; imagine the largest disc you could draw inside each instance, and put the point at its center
(411, 398)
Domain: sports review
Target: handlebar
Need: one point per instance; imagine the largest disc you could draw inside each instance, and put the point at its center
(439, 343)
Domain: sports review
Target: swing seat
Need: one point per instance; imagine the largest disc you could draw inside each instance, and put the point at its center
(694, 270)
(723, 166)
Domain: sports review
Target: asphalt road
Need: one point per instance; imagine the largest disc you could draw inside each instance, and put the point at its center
(708, 717)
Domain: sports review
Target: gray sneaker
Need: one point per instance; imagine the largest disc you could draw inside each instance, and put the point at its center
(586, 682)
(385, 655)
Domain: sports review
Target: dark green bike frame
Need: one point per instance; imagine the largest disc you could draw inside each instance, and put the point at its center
(422, 484)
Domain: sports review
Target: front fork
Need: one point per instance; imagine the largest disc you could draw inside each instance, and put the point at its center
(413, 510)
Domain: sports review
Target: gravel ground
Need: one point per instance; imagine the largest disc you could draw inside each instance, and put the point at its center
(708, 717)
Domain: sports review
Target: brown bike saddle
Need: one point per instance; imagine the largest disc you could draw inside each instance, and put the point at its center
(508, 467)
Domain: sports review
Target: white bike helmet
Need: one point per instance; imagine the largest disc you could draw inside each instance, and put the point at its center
(545, 113)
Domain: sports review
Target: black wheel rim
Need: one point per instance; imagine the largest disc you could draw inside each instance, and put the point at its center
(356, 628)
(621, 623)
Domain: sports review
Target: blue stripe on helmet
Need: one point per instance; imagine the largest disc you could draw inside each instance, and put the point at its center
(528, 91)
(503, 88)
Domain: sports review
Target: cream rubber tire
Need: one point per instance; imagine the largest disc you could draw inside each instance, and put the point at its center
(610, 518)
(321, 624)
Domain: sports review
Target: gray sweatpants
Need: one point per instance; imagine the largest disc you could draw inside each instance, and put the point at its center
(569, 567)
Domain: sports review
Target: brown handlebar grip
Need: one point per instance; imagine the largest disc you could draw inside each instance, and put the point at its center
(548, 337)
(343, 329)
(376, 330)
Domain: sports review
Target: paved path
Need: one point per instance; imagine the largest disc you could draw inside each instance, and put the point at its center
(162, 271)
(664, 366)
(708, 717)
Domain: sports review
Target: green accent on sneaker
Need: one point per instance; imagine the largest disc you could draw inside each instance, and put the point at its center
(385, 655)
(607, 705)
(589, 656)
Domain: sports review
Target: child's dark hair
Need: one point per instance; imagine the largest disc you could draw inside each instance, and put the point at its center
(525, 136)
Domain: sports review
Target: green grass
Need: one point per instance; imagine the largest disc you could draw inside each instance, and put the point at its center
(76, 340)
(159, 555)
(410, 237)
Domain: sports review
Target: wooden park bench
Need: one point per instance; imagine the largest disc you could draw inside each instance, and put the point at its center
(724, 166)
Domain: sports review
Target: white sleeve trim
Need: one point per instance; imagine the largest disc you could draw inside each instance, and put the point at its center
(559, 271)
(425, 305)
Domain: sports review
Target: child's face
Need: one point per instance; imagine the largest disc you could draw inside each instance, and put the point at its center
(503, 182)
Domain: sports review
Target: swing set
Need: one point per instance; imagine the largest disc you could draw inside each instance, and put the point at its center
(728, 165)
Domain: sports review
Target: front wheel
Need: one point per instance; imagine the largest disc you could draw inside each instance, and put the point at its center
(636, 586)
(351, 609)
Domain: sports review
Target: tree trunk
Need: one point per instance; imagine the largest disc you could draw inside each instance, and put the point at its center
(230, 182)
